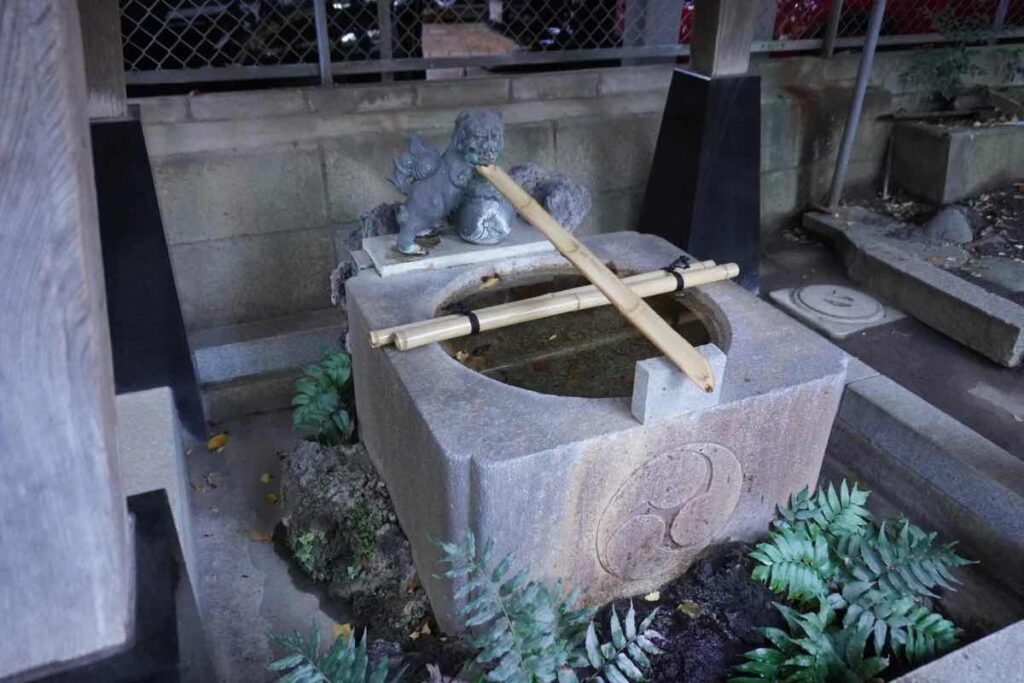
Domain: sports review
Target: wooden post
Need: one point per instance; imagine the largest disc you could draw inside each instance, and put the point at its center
(65, 575)
(722, 33)
(104, 60)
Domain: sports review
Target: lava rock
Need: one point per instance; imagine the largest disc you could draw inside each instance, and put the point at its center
(341, 529)
(949, 225)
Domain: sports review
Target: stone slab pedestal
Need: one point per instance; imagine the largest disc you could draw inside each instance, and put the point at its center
(577, 488)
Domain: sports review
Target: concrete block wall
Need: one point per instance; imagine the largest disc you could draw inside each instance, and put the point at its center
(258, 189)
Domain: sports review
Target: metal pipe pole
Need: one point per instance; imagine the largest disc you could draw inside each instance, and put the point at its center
(835, 13)
(386, 35)
(323, 45)
(867, 60)
(999, 21)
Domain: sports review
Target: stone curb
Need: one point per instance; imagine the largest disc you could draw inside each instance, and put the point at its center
(941, 473)
(993, 658)
(962, 310)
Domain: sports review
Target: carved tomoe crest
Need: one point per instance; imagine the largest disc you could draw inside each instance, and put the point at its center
(668, 510)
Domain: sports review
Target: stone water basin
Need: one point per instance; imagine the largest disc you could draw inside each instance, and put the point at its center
(526, 435)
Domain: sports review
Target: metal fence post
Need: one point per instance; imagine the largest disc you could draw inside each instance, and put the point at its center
(998, 21)
(828, 48)
(323, 45)
(857, 105)
(384, 24)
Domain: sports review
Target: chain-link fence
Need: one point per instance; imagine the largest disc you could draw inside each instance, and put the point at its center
(199, 40)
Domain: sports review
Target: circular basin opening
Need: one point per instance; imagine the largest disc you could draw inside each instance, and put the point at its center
(588, 354)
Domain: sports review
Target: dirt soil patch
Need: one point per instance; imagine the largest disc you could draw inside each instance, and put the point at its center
(996, 218)
(709, 617)
(995, 255)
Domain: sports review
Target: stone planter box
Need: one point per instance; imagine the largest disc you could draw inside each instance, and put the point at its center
(946, 164)
(551, 464)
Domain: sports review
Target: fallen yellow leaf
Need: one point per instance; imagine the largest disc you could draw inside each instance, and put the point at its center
(266, 478)
(415, 635)
(489, 281)
(217, 442)
(341, 630)
(689, 608)
(653, 596)
(271, 498)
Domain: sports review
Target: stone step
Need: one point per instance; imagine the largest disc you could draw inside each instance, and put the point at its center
(263, 393)
(226, 354)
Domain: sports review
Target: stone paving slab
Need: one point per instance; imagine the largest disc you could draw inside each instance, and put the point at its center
(903, 272)
(835, 311)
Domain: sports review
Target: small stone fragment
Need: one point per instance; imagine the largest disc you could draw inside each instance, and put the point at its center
(689, 608)
(653, 596)
(949, 225)
(489, 281)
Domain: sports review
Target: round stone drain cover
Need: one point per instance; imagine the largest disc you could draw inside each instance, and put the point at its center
(840, 304)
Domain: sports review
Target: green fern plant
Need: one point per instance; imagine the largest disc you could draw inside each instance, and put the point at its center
(814, 651)
(626, 657)
(872, 585)
(321, 398)
(346, 661)
(525, 632)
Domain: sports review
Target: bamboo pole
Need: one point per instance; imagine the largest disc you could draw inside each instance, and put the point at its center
(635, 309)
(414, 335)
(386, 336)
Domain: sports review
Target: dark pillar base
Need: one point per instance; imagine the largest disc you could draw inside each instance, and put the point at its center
(147, 333)
(704, 192)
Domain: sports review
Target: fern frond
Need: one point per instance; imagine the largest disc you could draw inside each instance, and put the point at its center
(523, 631)
(836, 513)
(627, 656)
(794, 563)
(815, 650)
(346, 661)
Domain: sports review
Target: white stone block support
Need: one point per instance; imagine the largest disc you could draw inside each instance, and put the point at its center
(152, 457)
(661, 391)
